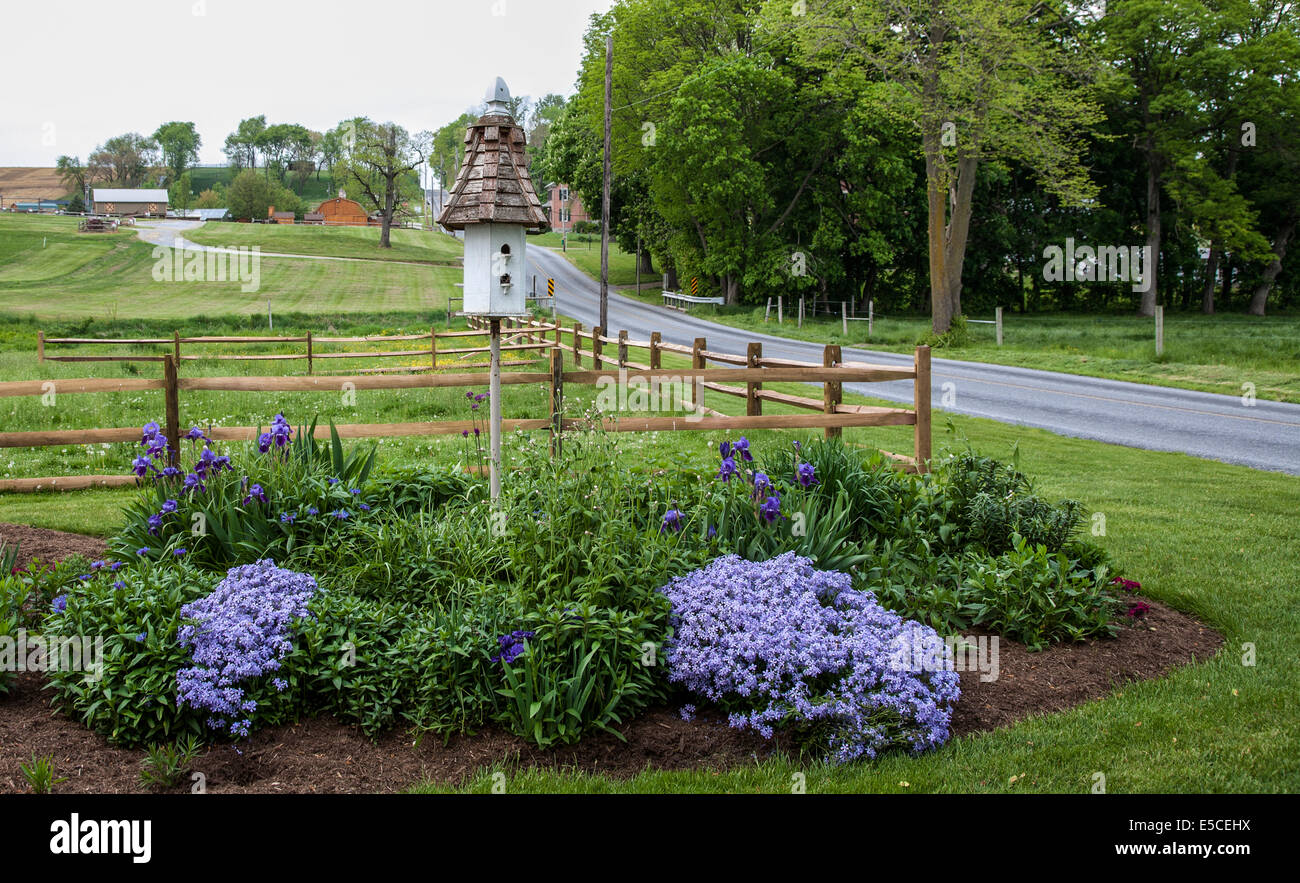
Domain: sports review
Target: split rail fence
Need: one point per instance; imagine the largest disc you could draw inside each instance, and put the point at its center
(745, 376)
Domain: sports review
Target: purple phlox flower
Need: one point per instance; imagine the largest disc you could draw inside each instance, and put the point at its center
(806, 473)
(239, 632)
(727, 469)
(672, 521)
(60, 603)
(687, 712)
(782, 643)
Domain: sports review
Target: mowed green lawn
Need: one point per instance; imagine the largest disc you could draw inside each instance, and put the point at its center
(111, 276)
(420, 246)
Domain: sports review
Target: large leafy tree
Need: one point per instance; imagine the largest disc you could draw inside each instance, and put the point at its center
(179, 143)
(242, 144)
(126, 160)
(380, 167)
(981, 80)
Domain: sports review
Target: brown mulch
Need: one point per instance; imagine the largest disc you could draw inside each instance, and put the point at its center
(324, 755)
(49, 546)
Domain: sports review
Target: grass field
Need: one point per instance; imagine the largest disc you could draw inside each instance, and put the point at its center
(421, 246)
(584, 253)
(49, 272)
(313, 191)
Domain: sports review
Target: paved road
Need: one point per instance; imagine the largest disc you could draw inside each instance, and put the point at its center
(1217, 427)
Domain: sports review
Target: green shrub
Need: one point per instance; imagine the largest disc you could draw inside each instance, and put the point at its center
(166, 765)
(132, 700)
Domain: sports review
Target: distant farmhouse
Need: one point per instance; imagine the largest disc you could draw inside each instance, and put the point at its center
(565, 208)
(130, 203)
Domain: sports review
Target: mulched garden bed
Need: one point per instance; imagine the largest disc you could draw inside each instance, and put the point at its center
(322, 755)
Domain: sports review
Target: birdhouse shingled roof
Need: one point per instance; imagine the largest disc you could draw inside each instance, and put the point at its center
(493, 185)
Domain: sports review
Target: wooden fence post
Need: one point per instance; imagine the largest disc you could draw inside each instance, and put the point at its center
(655, 355)
(832, 390)
(767, 313)
(309, 353)
(577, 344)
(922, 399)
(172, 409)
(844, 318)
(597, 347)
(40, 346)
(433, 349)
(557, 400)
(753, 404)
(622, 349)
(697, 361)
(176, 347)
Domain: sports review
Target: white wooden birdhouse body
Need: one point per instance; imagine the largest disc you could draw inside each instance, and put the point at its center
(493, 201)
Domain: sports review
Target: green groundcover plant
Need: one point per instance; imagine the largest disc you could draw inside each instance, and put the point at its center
(426, 606)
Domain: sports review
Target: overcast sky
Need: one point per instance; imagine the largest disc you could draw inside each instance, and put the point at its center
(215, 62)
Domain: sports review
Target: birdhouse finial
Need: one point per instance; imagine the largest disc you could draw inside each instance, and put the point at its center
(498, 97)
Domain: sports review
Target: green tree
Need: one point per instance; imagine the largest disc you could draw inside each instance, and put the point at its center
(980, 80)
(179, 143)
(181, 192)
(249, 196)
(380, 167)
(242, 144)
(126, 160)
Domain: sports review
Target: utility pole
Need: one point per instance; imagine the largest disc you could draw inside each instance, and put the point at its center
(604, 197)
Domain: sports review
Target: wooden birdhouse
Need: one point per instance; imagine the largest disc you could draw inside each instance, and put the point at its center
(493, 201)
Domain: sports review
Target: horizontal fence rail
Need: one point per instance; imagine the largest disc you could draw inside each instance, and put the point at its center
(744, 376)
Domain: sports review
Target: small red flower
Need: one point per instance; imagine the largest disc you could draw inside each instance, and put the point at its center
(1138, 610)
(1128, 585)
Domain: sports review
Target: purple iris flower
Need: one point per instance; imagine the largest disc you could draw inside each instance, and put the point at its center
(140, 466)
(170, 472)
(155, 522)
(312, 510)
(142, 551)
(195, 434)
(771, 509)
(742, 447)
(97, 565)
(806, 473)
(151, 430)
(724, 449)
(264, 443)
(180, 553)
(255, 493)
(728, 469)
(672, 521)
(194, 483)
(762, 484)
(169, 507)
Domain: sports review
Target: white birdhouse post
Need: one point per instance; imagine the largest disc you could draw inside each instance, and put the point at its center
(493, 201)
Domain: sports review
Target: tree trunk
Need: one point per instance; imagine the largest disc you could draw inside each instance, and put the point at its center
(1211, 277)
(673, 282)
(647, 262)
(1147, 306)
(731, 289)
(1225, 293)
(959, 229)
(940, 305)
(1270, 272)
(387, 217)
